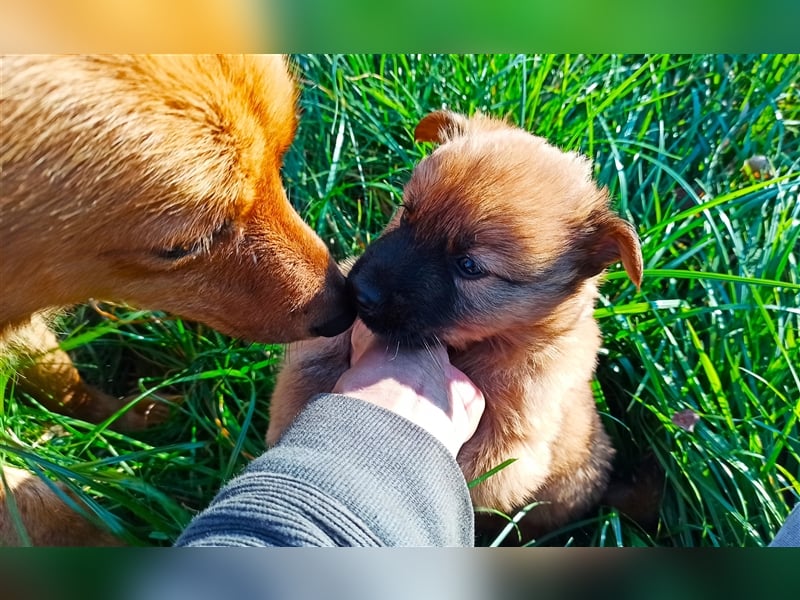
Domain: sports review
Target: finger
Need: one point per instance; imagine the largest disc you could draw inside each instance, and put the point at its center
(465, 393)
(361, 338)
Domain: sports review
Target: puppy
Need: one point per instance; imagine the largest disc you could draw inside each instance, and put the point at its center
(152, 180)
(496, 252)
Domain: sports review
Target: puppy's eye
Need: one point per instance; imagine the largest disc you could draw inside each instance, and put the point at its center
(469, 268)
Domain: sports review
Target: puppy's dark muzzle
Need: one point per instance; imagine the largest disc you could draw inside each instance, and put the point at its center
(370, 300)
(367, 297)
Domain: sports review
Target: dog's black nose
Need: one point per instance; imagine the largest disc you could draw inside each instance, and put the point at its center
(367, 296)
(337, 324)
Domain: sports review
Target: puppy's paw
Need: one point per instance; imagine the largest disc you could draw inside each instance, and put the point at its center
(148, 412)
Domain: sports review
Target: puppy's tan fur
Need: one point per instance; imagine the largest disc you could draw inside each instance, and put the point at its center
(542, 233)
(153, 180)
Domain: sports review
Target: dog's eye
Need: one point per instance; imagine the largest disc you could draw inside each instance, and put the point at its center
(182, 251)
(469, 268)
(186, 250)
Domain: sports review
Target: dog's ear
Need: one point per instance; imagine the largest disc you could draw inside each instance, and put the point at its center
(615, 240)
(440, 126)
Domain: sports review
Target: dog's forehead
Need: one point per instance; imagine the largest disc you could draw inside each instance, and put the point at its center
(231, 130)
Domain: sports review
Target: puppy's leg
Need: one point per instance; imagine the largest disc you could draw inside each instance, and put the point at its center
(310, 367)
(564, 488)
(48, 520)
(638, 495)
(579, 476)
(47, 373)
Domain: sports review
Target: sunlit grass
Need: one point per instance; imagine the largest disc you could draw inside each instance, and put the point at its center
(714, 328)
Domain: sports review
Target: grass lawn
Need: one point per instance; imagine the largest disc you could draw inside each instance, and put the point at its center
(701, 152)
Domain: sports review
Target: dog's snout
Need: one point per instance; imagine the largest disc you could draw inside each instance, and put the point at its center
(341, 311)
(336, 325)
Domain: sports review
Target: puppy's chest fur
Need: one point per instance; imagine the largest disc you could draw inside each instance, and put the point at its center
(540, 413)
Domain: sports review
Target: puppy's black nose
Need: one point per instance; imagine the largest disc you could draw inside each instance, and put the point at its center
(367, 296)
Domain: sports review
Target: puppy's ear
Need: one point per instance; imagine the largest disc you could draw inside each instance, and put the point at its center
(615, 239)
(440, 126)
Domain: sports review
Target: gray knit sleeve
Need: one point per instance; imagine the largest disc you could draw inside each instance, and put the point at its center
(346, 473)
(789, 534)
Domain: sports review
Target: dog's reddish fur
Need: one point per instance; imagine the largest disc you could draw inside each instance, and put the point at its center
(542, 232)
(152, 180)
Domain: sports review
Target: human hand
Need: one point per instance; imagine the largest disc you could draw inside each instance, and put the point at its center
(418, 384)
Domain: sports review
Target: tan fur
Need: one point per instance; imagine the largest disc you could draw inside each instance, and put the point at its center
(530, 214)
(151, 180)
(49, 520)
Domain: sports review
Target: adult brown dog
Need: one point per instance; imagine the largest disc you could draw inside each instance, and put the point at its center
(497, 252)
(153, 180)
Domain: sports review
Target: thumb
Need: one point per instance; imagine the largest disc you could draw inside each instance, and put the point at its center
(466, 396)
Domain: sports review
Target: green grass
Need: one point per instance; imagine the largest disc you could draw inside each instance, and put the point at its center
(714, 328)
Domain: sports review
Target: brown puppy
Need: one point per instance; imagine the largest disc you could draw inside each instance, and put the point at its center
(153, 180)
(496, 252)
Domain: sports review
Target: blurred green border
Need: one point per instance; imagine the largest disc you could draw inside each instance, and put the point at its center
(292, 26)
(421, 574)
(536, 26)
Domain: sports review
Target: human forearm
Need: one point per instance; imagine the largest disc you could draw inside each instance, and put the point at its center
(346, 473)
